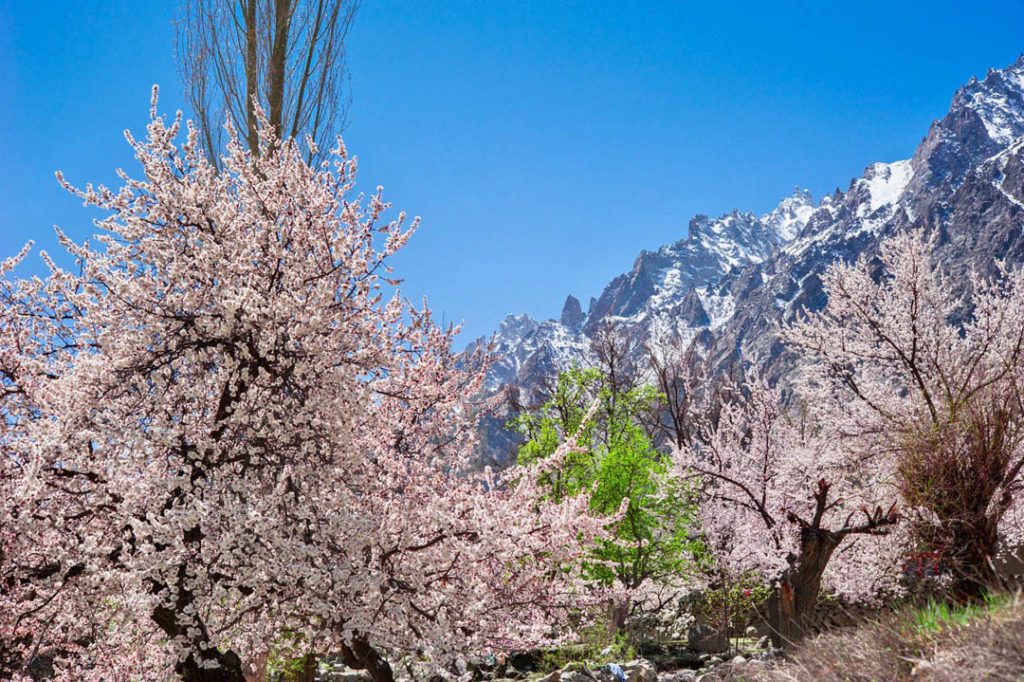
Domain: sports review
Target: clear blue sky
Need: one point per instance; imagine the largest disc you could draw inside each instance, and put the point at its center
(543, 143)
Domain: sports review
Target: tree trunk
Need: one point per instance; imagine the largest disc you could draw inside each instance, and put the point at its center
(973, 551)
(308, 672)
(618, 614)
(229, 665)
(793, 603)
(276, 70)
(359, 655)
(251, 93)
(256, 668)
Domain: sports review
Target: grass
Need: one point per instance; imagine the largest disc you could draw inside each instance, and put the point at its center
(936, 641)
(935, 616)
(596, 647)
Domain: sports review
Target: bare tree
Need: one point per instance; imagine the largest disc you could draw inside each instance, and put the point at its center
(614, 350)
(287, 55)
(677, 371)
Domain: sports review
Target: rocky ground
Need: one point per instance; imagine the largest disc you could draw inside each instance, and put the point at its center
(680, 665)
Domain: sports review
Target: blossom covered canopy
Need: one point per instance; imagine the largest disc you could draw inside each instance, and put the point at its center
(220, 428)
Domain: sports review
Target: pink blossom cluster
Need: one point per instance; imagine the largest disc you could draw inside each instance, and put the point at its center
(907, 381)
(904, 354)
(770, 475)
(222, 434)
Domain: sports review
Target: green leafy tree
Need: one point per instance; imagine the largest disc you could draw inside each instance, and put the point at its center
(655, 540)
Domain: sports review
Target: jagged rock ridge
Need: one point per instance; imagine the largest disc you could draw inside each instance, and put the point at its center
(733, 279)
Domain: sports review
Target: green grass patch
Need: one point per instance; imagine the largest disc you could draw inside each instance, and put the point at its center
(934, 617)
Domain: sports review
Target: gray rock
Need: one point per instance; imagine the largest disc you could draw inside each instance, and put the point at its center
(680, 676)
(706, 639)
(338, 672)
(640, 670)
(572, 313)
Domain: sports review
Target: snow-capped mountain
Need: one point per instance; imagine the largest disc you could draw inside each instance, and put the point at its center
(673, 281)
(733, 279)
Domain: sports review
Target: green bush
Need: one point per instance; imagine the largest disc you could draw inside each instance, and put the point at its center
(596, 646)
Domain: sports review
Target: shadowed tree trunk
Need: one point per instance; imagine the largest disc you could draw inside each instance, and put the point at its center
(229, 665)
(359, 655)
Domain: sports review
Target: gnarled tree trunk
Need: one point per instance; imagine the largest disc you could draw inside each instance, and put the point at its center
(797, 594)
(229, 665)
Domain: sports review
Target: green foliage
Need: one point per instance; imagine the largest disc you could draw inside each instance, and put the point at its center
(935, 616)
(616, 461)
(596, 646)
(285, 660)
(733, 603)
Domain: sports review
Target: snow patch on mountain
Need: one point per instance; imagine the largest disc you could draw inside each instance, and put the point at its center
(999, 102)
(885, 183)
(720, 307)
(669, 289)
(791, 215)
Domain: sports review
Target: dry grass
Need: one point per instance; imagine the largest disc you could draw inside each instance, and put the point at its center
(935, 643)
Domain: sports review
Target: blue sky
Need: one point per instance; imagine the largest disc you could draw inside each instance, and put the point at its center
(543, 143)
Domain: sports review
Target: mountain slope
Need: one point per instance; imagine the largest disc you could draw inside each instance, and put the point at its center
(735, 278)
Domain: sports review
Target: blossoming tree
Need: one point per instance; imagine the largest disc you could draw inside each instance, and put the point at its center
(928, 374)
(782, 502)
(221, 435)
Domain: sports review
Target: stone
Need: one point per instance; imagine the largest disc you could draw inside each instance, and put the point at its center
(706, 639)
(584, 675)
(338, 672)
(640, 670)
(738, 660)
(681, 676)
(751, 632)
(579, 672)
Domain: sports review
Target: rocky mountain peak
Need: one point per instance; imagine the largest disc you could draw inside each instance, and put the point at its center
(985, 116)
(732, 280)
(572, 313)
(998, 100)
(791, 215)
(517, 325)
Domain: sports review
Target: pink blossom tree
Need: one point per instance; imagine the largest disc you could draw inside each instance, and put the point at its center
(782, 502)
(916, 371)
(220, 434)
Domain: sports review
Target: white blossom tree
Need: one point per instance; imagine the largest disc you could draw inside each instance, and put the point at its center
(780, 500)
(221, 435)
(915, 371)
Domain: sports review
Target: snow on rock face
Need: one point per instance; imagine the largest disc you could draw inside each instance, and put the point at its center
(672, 282)
(791, 215)
(719, 307)
(732, 279)
(885, 182)
(998, 101)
